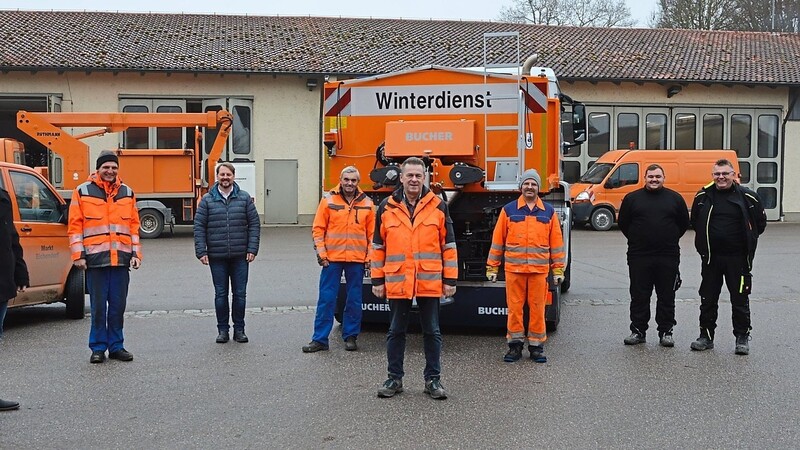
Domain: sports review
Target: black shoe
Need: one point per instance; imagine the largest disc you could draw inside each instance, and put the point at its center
(350, 344)
(97, 357)
(314, 346)
(537, 353)
(514, 352)
(390, 388)
(6, 405)
(121, 355)
(666, 340)
(635, 338)
(223, 337)
(434, 388)
(704, 342)
(240, 337)
(742, 346)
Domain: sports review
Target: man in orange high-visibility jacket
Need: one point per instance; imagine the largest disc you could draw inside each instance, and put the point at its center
(528, 237)
(342, 232)
(413, 256)
(104, 241)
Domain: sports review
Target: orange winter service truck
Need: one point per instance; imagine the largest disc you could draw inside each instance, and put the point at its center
(476, 130)
(597, 196)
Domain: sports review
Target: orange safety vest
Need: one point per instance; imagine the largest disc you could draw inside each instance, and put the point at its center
(413, 255)
(104, 223)
(342, 232)
(528, 240)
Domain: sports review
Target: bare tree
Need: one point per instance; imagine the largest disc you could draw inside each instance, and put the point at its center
(768, 15)
(582, 13)
(696, 14)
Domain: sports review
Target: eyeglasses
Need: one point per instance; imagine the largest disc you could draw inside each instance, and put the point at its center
(722, 174)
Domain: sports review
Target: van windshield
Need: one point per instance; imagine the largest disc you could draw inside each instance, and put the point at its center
(596, 174)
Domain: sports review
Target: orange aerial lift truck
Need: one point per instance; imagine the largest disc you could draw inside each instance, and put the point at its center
(477, 130)
(168, 182)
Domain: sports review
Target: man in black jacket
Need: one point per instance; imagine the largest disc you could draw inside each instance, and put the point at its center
(226, 238)
(653, 219)
(727, 219)
(13, 271)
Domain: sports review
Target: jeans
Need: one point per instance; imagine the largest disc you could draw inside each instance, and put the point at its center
(329, 280)
(431, 336)
(3, 308)
(229, 272)
(731, 268)
(648, 272)
(108, 294)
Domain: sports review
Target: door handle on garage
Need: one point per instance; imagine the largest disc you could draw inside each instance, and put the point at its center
(266, 191)
(26, 229)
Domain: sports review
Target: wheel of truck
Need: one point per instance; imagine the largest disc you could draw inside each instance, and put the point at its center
(602, 219)
(151, 223)
(552, 313)
(74, 295)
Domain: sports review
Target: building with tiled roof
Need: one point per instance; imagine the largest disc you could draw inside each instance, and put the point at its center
(704, 88)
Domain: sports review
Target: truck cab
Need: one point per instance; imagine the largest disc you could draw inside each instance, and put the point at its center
(40, 217)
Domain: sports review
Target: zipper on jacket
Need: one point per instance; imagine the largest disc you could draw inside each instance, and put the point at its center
(708, 236)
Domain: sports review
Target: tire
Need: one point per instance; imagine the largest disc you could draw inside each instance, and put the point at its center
(602, 219)
(74, 296)
(552, 314)
(151, 223)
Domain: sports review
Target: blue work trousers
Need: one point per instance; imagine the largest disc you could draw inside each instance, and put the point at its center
(225, 273)
(431, 336)
(329, 280)
(108, 294)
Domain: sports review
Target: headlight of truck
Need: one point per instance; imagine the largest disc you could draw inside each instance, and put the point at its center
(582, 197)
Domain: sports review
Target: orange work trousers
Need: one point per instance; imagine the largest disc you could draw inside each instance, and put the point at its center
(528, 288)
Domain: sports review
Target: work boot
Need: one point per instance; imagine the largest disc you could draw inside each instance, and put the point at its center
(742, 346)
(390, 388)
(704, 342)
(314, 346)
(434, 388)
(635, 338)
(121, 355)
(666, 340)
(514, 352)
(6, 405)
(240, 337)
(537, 353)
(350, 344)
(97, 357)
(223, 337)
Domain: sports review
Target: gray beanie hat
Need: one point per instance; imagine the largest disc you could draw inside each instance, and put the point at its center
(106, 156)
(528, 175)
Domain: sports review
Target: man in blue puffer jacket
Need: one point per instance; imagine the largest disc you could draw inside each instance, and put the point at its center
(226, 238)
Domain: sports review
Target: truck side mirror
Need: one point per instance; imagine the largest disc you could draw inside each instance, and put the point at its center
(578, 123)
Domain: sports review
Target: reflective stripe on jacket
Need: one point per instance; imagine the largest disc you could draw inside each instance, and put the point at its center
(342, 232)
(413, 256)
(528, 240)
(104, 223)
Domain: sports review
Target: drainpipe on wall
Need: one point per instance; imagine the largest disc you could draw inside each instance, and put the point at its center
(794, 93)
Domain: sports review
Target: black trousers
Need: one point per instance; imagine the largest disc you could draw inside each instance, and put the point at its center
(647, 272)
(731, 268)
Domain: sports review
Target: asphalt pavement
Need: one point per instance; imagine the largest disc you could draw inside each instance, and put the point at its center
(184, 391)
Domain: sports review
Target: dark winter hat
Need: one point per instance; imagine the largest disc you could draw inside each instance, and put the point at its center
(530, 174)
(106, 156)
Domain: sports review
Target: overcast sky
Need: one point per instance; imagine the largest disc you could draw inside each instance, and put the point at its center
(408, 9)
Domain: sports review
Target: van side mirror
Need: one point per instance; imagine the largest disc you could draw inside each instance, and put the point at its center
(64, 211)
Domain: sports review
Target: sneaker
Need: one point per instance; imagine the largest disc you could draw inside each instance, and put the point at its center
(702, 343)
(97, 357)
(434, 388)
(223, 337)
(666, 340)
(121, 355)
(635, 338)
(742, 346)
(390, 388)
(537, 353)
(514, 352)
(240, 337)
(314, 346)
(350, 344)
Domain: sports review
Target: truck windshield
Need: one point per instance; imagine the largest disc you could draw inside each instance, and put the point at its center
(596, 174)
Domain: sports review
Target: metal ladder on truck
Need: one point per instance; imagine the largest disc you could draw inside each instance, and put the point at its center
(508, 166)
